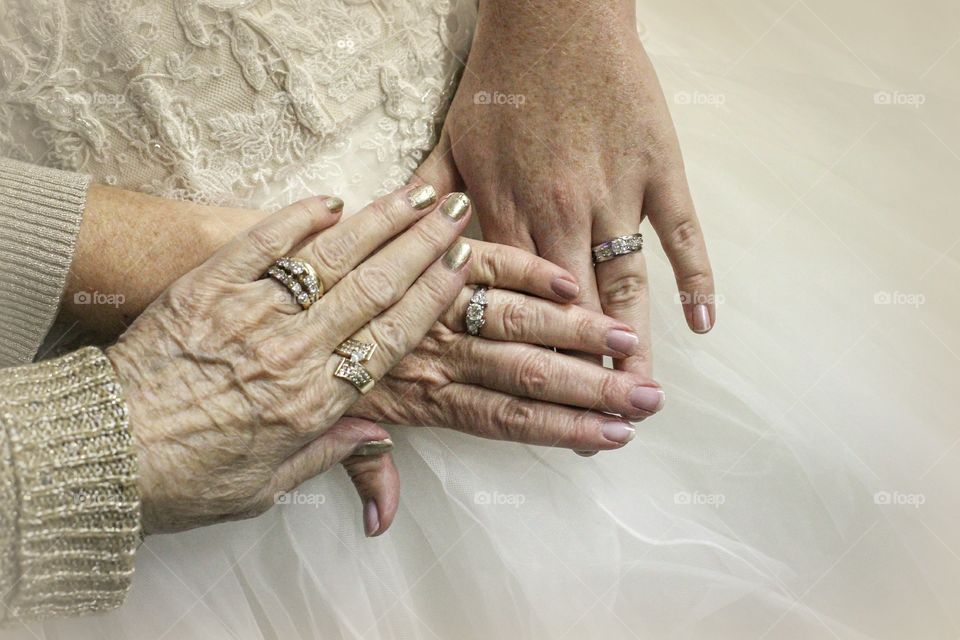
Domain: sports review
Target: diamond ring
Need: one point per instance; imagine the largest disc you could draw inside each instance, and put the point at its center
(476, 310)
(299, 278)
(354, 353)
(616, 247)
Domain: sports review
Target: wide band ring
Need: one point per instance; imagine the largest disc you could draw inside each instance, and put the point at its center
(354, 353)
(476, 310)
(616, 247)
(299, 278)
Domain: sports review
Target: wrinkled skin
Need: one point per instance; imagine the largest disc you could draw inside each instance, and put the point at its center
(229, 383)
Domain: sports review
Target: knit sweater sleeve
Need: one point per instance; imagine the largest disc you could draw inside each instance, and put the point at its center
(40, 213)
(69, 504)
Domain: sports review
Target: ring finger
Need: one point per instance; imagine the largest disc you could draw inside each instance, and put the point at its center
(543, 374)
(515, 317)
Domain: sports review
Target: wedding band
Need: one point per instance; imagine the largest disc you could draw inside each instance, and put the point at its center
(476, 310)
(354, 353)
(299, 278)
(616, 247)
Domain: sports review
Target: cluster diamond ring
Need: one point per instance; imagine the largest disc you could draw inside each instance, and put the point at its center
(616, 247)
(476, 310)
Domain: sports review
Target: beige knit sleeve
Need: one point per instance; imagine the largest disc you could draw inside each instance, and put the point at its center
(40, 212)
(69, 505)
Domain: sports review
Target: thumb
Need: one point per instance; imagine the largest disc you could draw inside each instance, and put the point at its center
(440, 169)
(364, 448)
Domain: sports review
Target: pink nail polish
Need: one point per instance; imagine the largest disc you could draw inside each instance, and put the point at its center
(701, 318)
(371, 518)
(565, 289)
(619, 432)
(649, 399)
(624, 342)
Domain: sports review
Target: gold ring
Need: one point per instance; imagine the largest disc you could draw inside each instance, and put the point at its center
(299, 278)
(354, 353)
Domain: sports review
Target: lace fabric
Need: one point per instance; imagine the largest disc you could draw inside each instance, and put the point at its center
(229, 102)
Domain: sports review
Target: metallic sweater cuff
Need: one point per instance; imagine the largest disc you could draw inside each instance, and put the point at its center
(69, 504)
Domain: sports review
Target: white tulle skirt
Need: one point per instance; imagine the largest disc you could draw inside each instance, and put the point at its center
(802, 481)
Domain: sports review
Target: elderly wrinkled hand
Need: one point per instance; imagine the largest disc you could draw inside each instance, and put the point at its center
(237, 391)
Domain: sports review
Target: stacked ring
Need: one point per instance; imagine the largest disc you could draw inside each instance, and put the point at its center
(299, 278)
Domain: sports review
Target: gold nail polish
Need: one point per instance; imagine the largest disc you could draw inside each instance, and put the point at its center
(374, 448)
(335, 205)
(422, 197)
(457, 255)
(455, 206)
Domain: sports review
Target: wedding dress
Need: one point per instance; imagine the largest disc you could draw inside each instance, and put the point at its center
(802, 481)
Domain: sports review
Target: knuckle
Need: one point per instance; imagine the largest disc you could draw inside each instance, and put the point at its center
(580, 432)
(561, 194)
(696, 280)
(584, 330)
(685, 236)
(624, 289)
(515, 317)
(515, 419)
(611, 388)
(277, 356)
(311, 208)
(267, 240)
(389, 211)
(531, 376)
(331, 256)
(377, 284)
(488, 263)
(389, 333)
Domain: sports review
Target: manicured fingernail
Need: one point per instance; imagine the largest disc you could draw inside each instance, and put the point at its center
(455, 206)
(701, 318)
(619, 432)
(422, 197)
(374, 447)
(457, 255)
(649, 399)
(586, 454)
(335, 205)
(624, 342)
(371, 518)
(565, 289)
